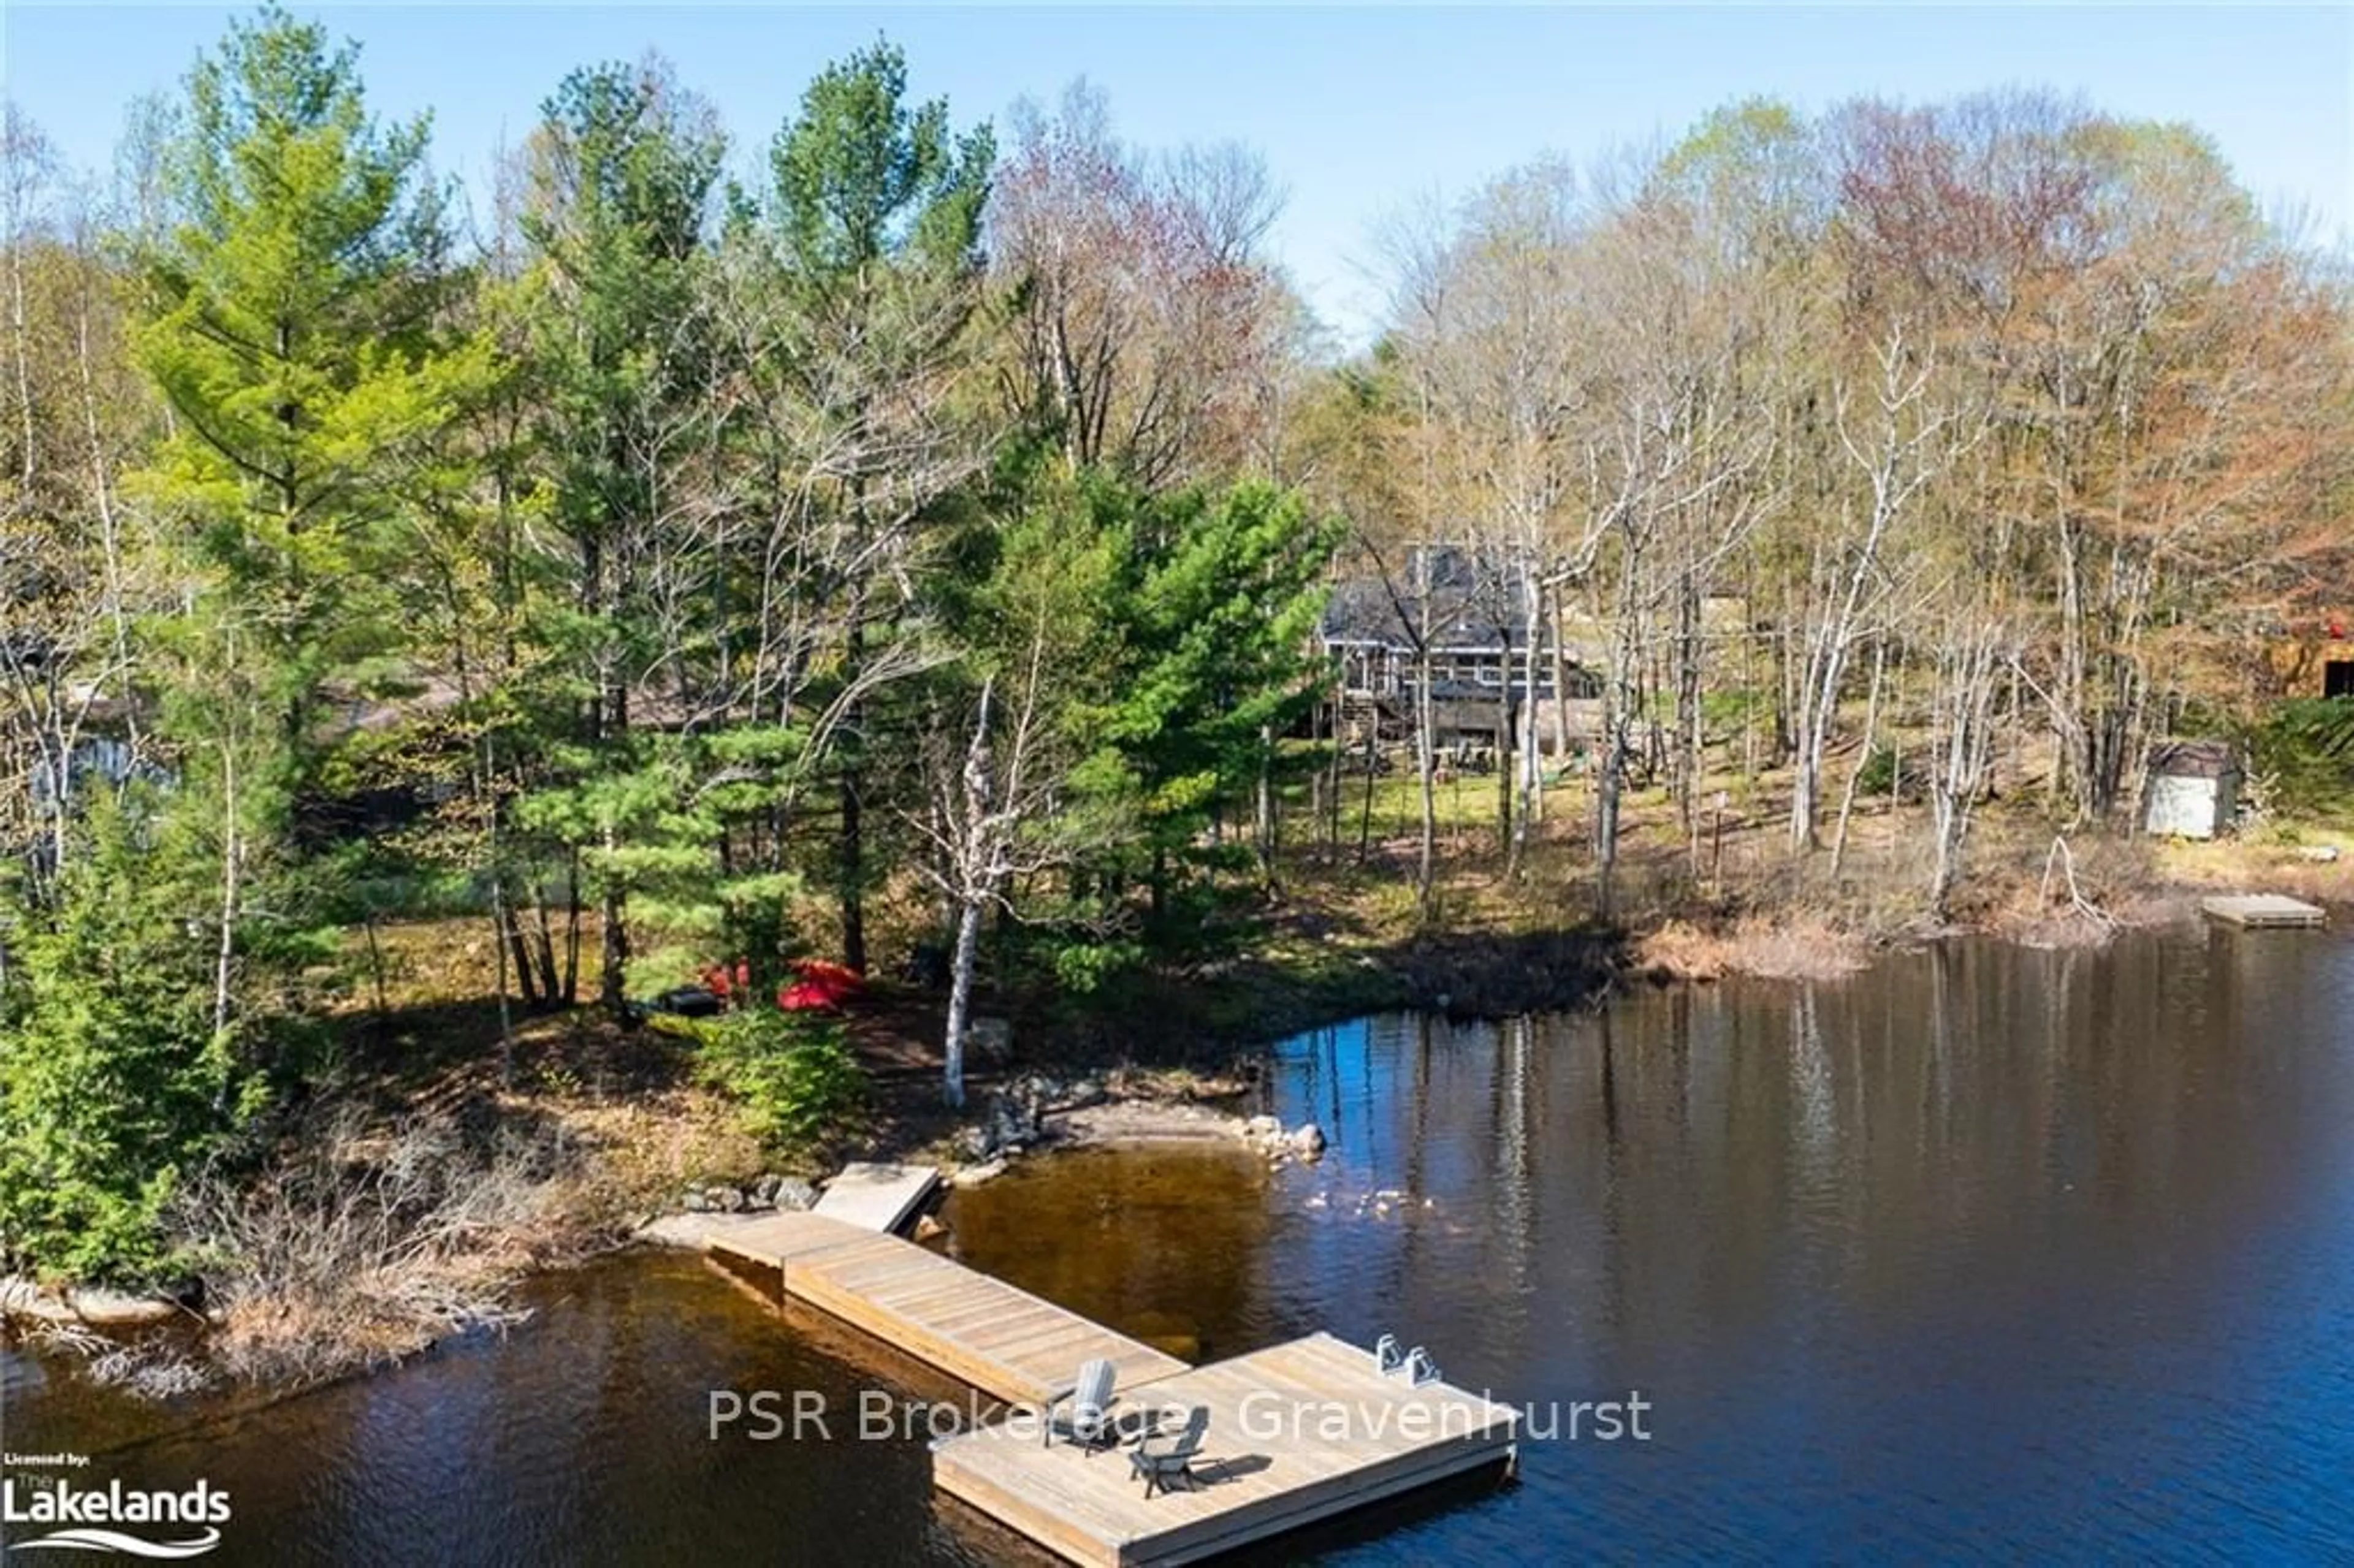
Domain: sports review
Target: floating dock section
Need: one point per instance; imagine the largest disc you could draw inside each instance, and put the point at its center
(1297, 1433)
(2262, 911)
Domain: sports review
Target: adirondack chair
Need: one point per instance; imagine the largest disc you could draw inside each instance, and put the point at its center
(1415, 1365)
(1088, 1421)
(1162, 1460)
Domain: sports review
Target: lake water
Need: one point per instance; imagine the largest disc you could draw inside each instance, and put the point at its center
(1987, 1254)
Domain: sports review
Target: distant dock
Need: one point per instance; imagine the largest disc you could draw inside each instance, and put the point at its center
(1297, 1433)
(2262, 911)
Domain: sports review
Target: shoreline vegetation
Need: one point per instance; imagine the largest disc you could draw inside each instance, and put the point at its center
(416, 1228)
(951, 559)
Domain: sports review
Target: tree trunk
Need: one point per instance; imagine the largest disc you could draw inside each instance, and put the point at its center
(960, 967)
(1863, 760)
(1264, 824)
(851, 867)
(1606, 787)
(1531, 763)
(1425, 764)
(1559, 686)
(572, 913)
(1505, 756)
(232, 867)
(1332, 791)
(613, 949)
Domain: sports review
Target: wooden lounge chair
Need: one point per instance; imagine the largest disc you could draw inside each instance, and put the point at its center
(1162, 1460)
(1088, 1421)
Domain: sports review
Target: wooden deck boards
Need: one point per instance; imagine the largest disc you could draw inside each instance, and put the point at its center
(878, 1197)
(2262, 910)
(999, 1339)
(1297, 1433)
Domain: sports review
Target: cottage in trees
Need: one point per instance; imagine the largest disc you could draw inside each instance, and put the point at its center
(1473, 617)
(2311, 656)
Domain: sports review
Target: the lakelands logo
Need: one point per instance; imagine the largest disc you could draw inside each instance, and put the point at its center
(169, 1524)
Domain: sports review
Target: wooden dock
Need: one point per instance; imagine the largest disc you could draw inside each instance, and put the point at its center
(2262, 911)
(878, 1197)
(999, 1339)
(1299, 1433)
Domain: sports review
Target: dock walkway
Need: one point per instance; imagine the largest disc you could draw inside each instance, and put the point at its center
(999, 1339)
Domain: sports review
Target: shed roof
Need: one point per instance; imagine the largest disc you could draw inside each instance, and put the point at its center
(2193, 759)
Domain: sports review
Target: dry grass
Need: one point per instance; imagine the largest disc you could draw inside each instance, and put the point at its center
(2265, 866)
(363, 1245)
(1800, 949)
(365, 1239)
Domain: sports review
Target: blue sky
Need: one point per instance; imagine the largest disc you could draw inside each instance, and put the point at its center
(1357, 108)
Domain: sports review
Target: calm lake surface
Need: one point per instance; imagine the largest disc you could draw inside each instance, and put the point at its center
(1987, 1254)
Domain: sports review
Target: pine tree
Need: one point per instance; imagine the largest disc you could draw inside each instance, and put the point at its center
(1220, 612)
(875, 206)
(622, 169)
(291, 327)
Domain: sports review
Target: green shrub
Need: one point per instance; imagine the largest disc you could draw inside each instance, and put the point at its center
(2302, 756)
(1880, 775)
(1083, 969)
(112, 1081)
(794, 1075)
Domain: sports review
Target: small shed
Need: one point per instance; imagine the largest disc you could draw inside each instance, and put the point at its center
(2191, 789)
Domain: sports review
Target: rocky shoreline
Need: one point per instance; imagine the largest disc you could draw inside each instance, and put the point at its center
(1034, 1115)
